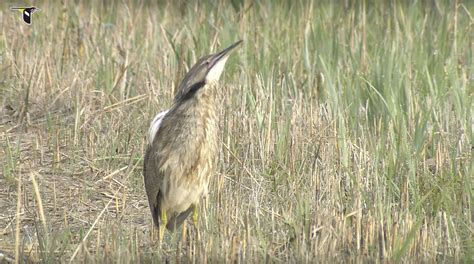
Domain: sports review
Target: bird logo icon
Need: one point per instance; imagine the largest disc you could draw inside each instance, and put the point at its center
(26, 12)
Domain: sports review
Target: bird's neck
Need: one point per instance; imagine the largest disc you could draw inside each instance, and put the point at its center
(202, 102)
(206, 97)
(205, 105)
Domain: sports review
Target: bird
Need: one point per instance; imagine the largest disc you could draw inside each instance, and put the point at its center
(26, 12)
(181, 151)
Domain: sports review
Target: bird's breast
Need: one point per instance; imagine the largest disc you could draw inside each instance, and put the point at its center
(190, 158)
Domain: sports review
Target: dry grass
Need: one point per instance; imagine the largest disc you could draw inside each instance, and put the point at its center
(346, 131)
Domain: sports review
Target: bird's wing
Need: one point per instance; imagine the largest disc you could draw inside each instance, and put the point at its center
(155, 126)
(171, 156)
(153, 178)
(178, 142)
(152, 175)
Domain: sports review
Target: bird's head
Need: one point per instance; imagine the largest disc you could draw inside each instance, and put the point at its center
(207, 70)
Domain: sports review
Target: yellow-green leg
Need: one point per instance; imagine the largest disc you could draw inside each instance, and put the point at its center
(195, 215)
(164, 221)
(195, 221)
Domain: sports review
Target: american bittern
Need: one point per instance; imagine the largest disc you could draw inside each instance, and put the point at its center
(182, 145)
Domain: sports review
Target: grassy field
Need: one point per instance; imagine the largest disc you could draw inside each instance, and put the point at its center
(346, 130)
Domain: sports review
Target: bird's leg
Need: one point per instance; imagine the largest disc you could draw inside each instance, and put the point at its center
(183, 233)
(206, 206)
(195, 215)
(164, 221)
(195, 221)
(153, 234)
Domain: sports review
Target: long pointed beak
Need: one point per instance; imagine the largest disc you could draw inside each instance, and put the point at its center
(218, 56)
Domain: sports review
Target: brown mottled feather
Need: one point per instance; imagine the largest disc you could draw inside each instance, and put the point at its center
(181, 155)
(187, 136)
